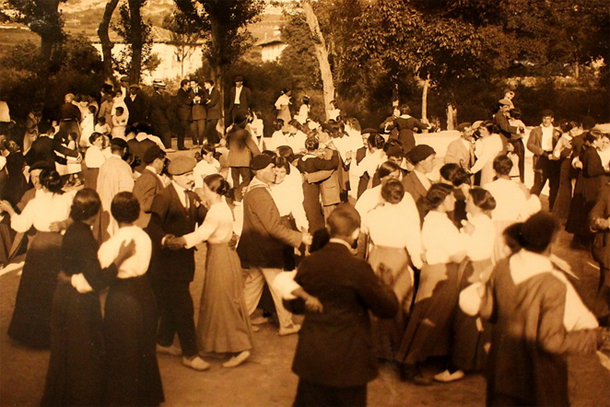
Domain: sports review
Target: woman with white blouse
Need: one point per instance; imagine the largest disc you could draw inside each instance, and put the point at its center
(30, 323)
(469, 334)
(487, 147)
(130, 318)
(428, 332)
(224, 324)
(393, 230)
(282, 106)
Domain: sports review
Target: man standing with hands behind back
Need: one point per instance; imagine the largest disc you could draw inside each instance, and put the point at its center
(184, 102)
(240, 99)
(212, 105)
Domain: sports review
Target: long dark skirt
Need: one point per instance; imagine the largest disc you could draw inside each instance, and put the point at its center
(469, 335)
(224, 324)
(30, 324)
(429, 328)
(561, 208)
(388, 332)
(130, 323)
(76, 368)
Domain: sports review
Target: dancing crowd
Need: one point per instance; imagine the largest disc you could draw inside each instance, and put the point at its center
(393, 253)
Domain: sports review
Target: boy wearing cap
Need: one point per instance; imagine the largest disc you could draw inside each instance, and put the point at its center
(263, 240)
(175, 211)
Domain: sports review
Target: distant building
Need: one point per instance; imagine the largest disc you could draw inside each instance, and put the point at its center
(271, 50)
(176, 61)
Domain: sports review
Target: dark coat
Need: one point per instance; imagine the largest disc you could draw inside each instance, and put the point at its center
(158, 110)
(138, 108)
(184, 104)
(263, 237)
(527, 358)
(245, 99)
(168, 216)
(534, 144)
(335, 347)
(241, 147)
(413, 185)
(198, 111)
(601, 243)
(509, 132)
(69, 111)
(213, 105)
(146, 187)
(405, 128)
(44, 148)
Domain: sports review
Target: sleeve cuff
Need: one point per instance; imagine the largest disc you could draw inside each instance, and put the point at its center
(80, 283)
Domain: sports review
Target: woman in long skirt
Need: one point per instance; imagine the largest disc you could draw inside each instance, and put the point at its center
(30, 323)
(224, 325)
(469, 333)
(75, 376)
(428, 332)
(130, 318)
(393, 229)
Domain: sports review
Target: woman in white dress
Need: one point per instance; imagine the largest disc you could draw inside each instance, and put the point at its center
(282, 105)
(487, 147)
(224, 324)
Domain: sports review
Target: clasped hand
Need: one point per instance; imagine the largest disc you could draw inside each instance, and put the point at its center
(174, 243)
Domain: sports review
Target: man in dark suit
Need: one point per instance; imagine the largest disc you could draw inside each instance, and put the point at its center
(69, 118)
(368, 137)
(45, 147)
(158, 114)
(416, 182)
(184, 104)
(240, 99)
(241, 150)
(175, 211)
(512, 134)
(542, 142)
(137, 105)
(198, 113)
(335, 357)
(262, 243)
(150, 183)
(212, 106)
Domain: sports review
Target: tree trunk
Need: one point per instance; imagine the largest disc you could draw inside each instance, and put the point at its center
(424, 101)
(51, 34)
(107, 45)
(451, 117)
(321, 54)
(137, 40)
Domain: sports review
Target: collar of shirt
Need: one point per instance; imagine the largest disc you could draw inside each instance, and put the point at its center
(180, 192)
(340, 241)
(257, 183)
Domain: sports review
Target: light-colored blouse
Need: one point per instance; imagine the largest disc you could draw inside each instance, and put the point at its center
(44, 209)
(137, 264)
(217, 226)
(480, 244)
(440, 238)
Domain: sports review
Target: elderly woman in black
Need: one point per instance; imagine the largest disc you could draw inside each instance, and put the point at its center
(76, 367)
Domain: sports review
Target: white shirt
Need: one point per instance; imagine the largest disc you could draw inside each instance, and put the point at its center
(203, 169)
(283, 100)
(216, 228)
(288, 197)
(136, 265)
(369, 164)
(44, 209)
(94, 157)
(238, 90)
(510, 200)
(440, 238)
(344, 145)
(480, 245)
(278, 138)
(547, 138)
(604, 155)
(487, 149)
(396, 225)
(295, 141)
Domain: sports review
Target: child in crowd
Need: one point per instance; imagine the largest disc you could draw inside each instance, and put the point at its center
(102, 127)
(119, 122)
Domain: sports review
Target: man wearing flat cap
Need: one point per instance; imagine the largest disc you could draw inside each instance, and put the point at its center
(263, 240)
(512, 134)
(461, 150)
(115, 176)
(240, 99)
(417, 182)
(175, 211)
(150, 183)
(159, 119)
(137, 105)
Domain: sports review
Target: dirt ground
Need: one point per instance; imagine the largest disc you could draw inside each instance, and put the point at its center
(266, 379)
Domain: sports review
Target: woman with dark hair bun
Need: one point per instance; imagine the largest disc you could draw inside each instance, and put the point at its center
(428, 332)
(76, 373)
(130, 319)
(224, 324)
(456, 175)
(538, 319)
(30, 323)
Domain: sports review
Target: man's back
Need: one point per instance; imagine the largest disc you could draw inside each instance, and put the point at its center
(336, 347)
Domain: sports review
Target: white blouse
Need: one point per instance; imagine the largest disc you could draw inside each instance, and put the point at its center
(440, 238)
(288, 197)
(44, 209)
(486, 150)
(510, 200)
(217, 226)
(137, 264)
(480, 245)
(203, 169)
(396, 225)
(94, 157)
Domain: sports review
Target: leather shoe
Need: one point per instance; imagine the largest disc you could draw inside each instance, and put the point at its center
(237, 359)
(292, 329)
(196, 363)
